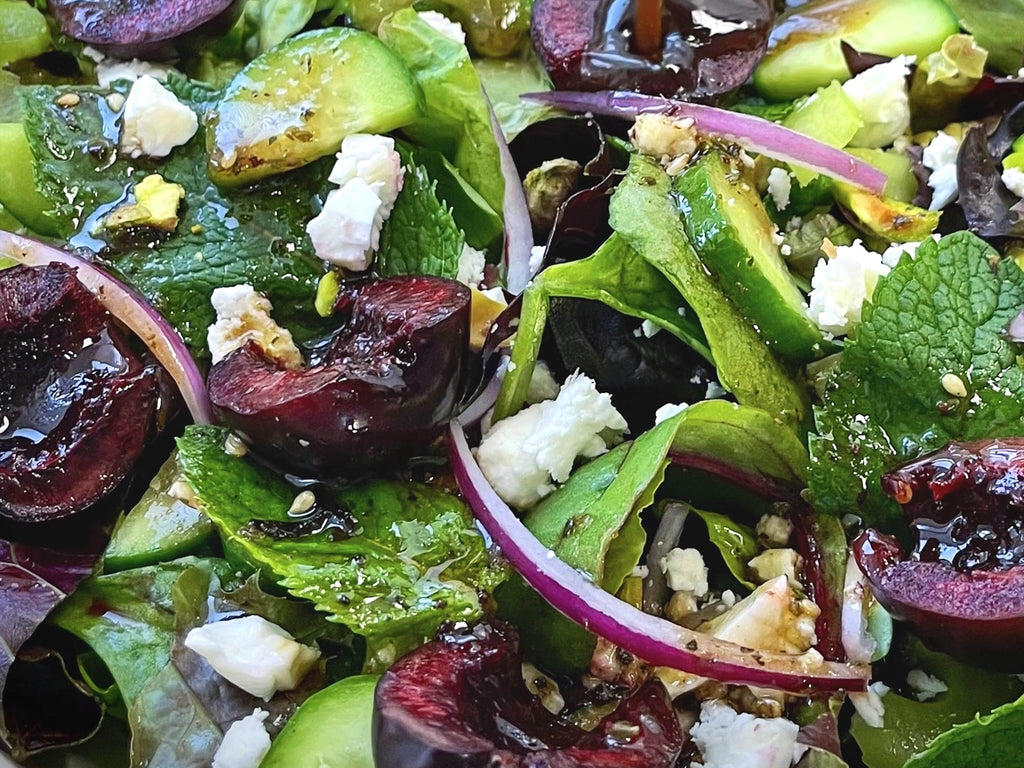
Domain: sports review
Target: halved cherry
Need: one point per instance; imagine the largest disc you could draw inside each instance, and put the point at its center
(383, 386)
(461, 702)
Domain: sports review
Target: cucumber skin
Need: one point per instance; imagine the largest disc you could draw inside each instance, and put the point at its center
(781, 320)
(18, 193)
(805, 48)
(313, 89)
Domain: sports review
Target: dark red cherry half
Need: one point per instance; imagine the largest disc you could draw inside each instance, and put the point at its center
(77, 404)
(708, 48)
(461, 702)
(962, 587)
(384, 386)
(146, 29)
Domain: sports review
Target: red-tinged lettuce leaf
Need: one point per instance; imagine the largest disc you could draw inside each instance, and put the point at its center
(33, 724)
(990, 209)
(178, 708)
(33, 581)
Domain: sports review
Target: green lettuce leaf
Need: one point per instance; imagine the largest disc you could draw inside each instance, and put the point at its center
(421, 237)
(736, 542)
(457, 120)
(615, 275)
(942, 313)
(505, 80)
(912, 726)
(998, 26)
(986, 741)
(417, 561)
(645, 214)
(254, 236)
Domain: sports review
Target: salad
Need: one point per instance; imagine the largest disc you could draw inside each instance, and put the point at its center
(506, 383)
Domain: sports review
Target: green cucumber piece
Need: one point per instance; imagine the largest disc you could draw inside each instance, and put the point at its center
(892, 220)
(902, 184)
(733, 235)
(160, 527)
(296, 102)
(332, 729)
(805, 48)
(18, 193)
(23, 32)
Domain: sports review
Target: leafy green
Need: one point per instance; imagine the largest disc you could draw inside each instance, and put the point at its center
(135, 622)
(457, 120)
(998, 26)
(254, 236)
(990, 740)
(830, 116)
(941, 313)
(615, 275)
(280, 19)
(505, 80)
(742, 437)
(911, 725)
(417, 561)
(645, 214)
(736, 543)
(421, 237)
(480, 223)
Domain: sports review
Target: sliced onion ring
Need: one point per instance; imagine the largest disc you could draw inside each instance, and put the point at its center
(518, 229)
(654, 640)
(129, 308)
(749, 131)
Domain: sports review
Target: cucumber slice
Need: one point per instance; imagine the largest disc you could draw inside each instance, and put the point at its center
(296, 102)
(18, 193)
(805, 49)
(160, 527)
(23, 32)
(731, 231)
(332, 729)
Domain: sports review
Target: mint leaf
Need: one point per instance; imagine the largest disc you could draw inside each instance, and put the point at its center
(912, 725)
(420, 237)
(943, 312)
(988, 741)
(417, 561)
(645, 214)
(224, 238)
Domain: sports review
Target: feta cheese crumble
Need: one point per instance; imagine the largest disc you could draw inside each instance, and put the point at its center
(881, 95)
(1013, 178)
(243, 315)
(669, 410)
(869, 705)
(774, 530)
(524, 455)
(471, 266)
(728, 739)
(940, 158)
(841, 285)
(926, 687)
(779, 186)
(450, 29)
(773, 563)
(369, 175)
(258, 656)
(245, 744)
(155, 122)
(685, 571)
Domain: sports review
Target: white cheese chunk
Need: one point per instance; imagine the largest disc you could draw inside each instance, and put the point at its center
(155, 122)
(728, 739)
(243, 315)
(685, 571)
(258, 656)
(523, 455)
(881, 95)
(245, 744)
(840, 286)
(940, 158)
(444, 25)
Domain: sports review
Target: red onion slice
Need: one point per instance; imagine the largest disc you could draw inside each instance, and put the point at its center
(518, 229)
(749, 131)
(652, 639)
(129, 308)
(1015, 330)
